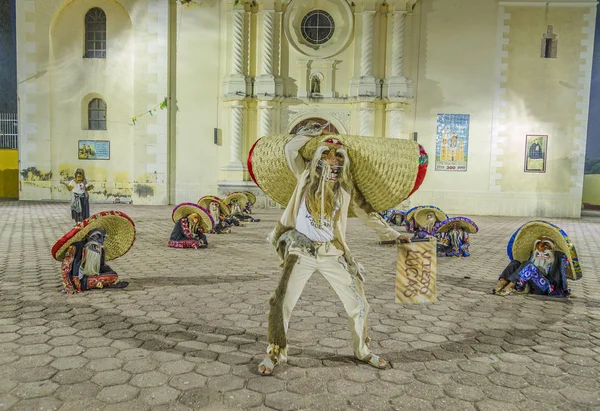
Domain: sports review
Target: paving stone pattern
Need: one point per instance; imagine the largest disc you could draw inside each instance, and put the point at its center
(191, 328)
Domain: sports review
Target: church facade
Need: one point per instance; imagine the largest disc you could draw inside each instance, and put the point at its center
(160, 101)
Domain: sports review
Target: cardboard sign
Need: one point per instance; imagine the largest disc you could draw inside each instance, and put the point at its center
(415, 273)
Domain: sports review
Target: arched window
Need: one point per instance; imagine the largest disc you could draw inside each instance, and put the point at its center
(95, 33)
(331, 128)
(97, 114)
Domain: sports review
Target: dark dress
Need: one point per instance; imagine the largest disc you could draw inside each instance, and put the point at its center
(552, 283)
(70, 272)
(182, 237)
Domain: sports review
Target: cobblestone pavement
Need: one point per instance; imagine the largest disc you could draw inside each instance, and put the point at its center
(190, 329)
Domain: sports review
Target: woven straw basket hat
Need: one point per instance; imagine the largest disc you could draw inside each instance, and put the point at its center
(251, 197)
(465, 223)
(420, 215)
(240, 197)
(385, 170)
(206, 200)
(520, 245)
(411, 212)
(185, 209)
(120, 234)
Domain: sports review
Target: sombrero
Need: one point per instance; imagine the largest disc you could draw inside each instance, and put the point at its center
(251, 197)
(420, 215)
(120, 234)
(206, 200)
(521, 242)
(240, 197)
(386, 171)
(185, 209)
(465, 223)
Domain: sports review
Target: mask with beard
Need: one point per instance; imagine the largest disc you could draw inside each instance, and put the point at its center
(328, 173)
(543, 253)
(431, 220)
(213, 208)
(235, 207)
(93, 251)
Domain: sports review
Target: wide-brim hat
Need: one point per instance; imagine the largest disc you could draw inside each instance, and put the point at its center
(206, 200)
(386, 171)
(240, 197)
(420, 215)
(185, 209)
(119, 228)
(465, 223)
(521, 242)
(251, 197)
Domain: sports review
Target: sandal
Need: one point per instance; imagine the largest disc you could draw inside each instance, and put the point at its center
(268, 366)
(375, 361)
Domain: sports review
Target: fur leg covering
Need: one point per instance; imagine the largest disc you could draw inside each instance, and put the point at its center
(277, 335)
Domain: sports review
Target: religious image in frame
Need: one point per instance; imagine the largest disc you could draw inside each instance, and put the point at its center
(536, 147)
(452, 142)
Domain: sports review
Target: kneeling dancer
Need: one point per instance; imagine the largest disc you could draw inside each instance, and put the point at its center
(310, 237)
(85, 249)
(543, 257)
(191, 222)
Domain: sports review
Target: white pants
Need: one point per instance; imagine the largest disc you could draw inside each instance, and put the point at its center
(330, 263)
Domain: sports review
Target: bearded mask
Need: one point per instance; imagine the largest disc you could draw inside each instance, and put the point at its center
(328, 172)
(93, 253)
(214, 211)
(431, 220)
(235, 207)
(543, 253)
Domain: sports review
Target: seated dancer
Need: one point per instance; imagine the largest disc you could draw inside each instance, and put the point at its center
(235, 201)
(80, 202)
(393, 216)
(191, 222)
(453, 236)
(425, 219)
(544, 258)
(251, 201)
(220, 213)
(310, 237)
(85, 249)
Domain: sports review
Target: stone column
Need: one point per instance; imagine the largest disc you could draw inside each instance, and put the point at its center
(266, 118)
(265, 83)
(394, 114)
(236, 135)
(396, 84)
(235, 82)
(366, 84)
(366, 119)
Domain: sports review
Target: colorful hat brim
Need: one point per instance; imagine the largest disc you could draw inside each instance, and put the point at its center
(185, 209)
(386, 171)
(120, 234)
(251, 197)
(420, 215)
(240, 197)
(521, 243)
(206, 200)
(465, 223)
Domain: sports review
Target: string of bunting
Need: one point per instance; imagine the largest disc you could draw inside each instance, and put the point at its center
(162, 105)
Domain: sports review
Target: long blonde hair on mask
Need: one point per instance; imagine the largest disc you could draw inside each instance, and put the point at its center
(93, 258)
(192, 224)
(324, 196)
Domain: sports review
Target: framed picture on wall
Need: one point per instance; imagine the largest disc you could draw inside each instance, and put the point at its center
(536, 148)
(93, 150)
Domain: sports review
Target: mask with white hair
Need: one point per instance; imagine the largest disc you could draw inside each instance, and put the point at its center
(93, 250)
(543, 253)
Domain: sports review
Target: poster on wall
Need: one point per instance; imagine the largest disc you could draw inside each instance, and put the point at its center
(536, 147)
(452, 142)
(93, 150)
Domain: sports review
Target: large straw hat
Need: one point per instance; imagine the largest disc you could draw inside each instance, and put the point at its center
(465, 223)
(240, 197)
(251, 197)
(206, 200)
(520, 244)
(386, 171)
(420, 215)
(120, 234)
(185, 209)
